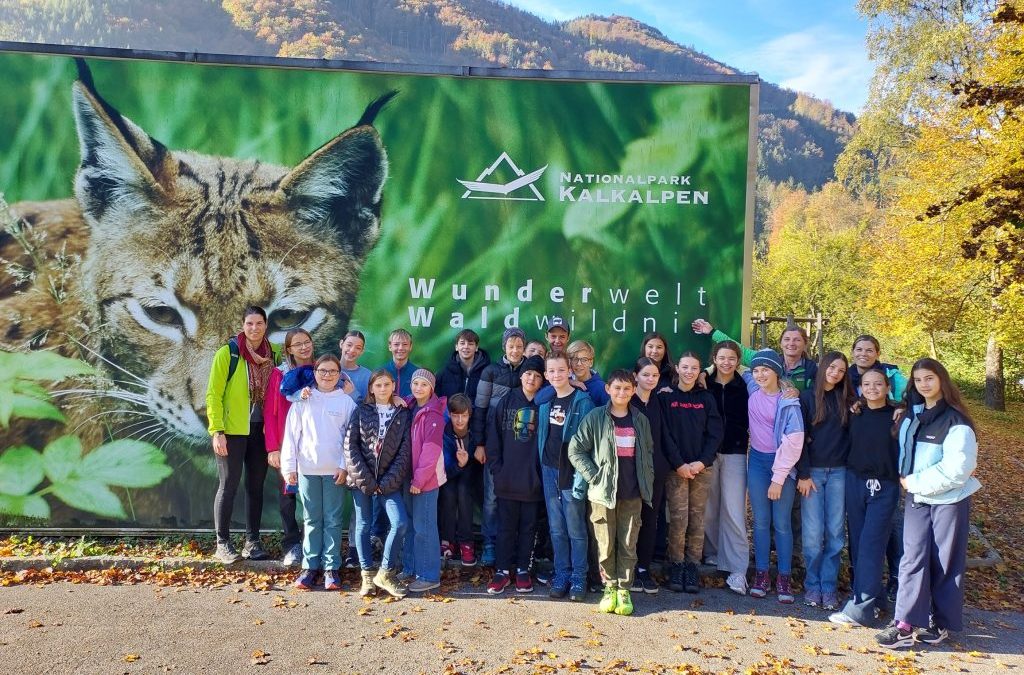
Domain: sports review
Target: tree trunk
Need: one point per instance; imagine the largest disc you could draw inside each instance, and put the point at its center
(995, 383)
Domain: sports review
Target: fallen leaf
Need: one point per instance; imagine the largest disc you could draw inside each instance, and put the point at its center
(35, 624)
(259, 658)
(131, 658)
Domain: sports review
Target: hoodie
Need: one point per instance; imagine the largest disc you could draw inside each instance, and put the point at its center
(454, 379)
(694, 424)
(315, 432)
(512, 455)
(427, 444)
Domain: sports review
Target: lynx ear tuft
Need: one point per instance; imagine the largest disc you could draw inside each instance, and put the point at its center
(121, 165)
(339, 187)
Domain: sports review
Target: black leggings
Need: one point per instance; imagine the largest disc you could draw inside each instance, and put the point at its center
(645, 543)
(251, 452)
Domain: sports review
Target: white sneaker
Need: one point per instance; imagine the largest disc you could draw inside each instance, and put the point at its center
(293, 557)
(737, 583)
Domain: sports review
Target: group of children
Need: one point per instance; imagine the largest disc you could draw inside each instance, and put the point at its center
(554, 455)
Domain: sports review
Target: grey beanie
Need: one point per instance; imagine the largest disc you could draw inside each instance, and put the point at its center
(511, 333)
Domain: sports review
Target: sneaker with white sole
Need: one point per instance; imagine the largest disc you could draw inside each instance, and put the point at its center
(737, 583)
(893, 637)
(293, 557)
(931, 635)
(844, 619)
(422, 585)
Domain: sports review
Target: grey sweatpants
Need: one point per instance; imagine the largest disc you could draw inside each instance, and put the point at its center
(933, 565)
(725, 517)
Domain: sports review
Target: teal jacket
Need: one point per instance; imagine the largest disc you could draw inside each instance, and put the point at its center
(592, 454)
(578, 409)
(227, 402)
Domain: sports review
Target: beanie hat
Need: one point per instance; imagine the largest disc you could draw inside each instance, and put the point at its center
(424, 374)
(511, 333)
(535, 363)
(769, 358)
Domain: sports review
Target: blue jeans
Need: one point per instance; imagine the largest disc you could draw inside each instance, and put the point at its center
(489, 510)
(567, 522)
(822, 515)
(422, 553)
(770, 514)
(869, 508)
(322, 507)
(394, 508)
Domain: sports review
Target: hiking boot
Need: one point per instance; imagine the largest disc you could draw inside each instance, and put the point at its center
(737, 583)
(306, 580)
(691, 578)
(677, 578)
(762, 584)
(422, 586)
(577, 591)
(366, 588)
(524, 584)
(623, 603)
(644, 582)
(388, 582)
(226, 553)
(293, 557)
(331, 580)
(783, 590)
(499, 583)
(609, 600)
(894, 637)
(559, 586)
(830, 601)
(812, 598)
(487, 556)
(253, 550)
(468, 555)
(931, 635)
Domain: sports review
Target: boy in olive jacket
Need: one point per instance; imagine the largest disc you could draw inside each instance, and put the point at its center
(614, 453)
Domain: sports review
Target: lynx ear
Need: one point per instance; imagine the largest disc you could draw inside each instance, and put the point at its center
(339, 187)
(122, 167)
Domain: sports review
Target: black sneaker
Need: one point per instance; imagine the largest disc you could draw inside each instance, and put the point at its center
(894, 638)
(891, 591)
(226, 553)
(691, 579)
(931, 635)
(677, 578)
(643, 581)
(253, 550)
(595, 586)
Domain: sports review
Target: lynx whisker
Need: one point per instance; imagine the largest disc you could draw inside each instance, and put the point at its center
(101, 414)
(119, 394)
(109, 362)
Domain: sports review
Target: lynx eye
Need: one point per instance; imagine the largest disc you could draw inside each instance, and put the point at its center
(164, 314)
(285, 319)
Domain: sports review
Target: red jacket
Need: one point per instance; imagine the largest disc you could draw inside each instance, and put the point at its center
(428, 444)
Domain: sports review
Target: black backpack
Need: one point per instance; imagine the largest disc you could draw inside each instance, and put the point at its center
(233, 351)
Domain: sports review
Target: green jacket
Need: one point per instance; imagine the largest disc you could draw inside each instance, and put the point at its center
(227, 402)
(592, 454)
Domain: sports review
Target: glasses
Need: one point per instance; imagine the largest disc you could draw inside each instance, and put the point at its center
(322, 372)
(302, 345)
(582, 360)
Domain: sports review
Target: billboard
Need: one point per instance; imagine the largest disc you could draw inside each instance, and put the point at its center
(152, 200)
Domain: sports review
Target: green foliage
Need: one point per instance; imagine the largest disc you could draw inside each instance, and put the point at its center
(21, 396)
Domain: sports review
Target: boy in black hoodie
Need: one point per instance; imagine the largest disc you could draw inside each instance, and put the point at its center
(514, 463)
(461, 374)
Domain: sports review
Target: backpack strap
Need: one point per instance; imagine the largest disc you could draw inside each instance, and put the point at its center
(233, 351)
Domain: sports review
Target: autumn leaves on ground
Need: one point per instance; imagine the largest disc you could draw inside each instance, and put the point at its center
(464, 630)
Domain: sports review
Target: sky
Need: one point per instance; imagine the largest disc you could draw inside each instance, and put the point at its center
(813, 46)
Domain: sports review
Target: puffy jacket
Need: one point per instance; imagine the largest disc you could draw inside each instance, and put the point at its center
(428, 444)
(368, 469)
(581, 404)
(938, 455)
(453, 379)
(592, 453)
(275, 410)
(227, 401)
(496, 380)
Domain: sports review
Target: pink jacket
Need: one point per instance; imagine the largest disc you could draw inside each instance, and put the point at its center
(428, 444)
(275, 411)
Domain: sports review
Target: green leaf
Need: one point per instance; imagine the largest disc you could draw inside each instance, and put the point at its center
(31, 389)
(6, 406)
(90, 495)
(62, 459)
(32, 506)
(34, 409)
(45, 366)
(126, 463)
(21, 469)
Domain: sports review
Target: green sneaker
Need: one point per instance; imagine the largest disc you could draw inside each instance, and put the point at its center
(624, 603)
(610, 599)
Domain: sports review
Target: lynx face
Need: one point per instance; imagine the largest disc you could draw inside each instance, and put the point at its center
(180, 243)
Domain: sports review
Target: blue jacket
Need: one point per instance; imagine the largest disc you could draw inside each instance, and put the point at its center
(580, 406)
(938, 455)
(595, 387)
(403, 376)
(451, 463)
(788, 431)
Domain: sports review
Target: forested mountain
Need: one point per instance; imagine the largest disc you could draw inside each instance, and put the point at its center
(800, 136)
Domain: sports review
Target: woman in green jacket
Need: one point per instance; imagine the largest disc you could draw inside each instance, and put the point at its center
(234, 407)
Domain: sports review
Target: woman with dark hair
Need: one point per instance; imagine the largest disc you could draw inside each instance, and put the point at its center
(726, 543)
(235, 395)
(821, 478)
(655, 347)
(938, 456)
(298, 351)
(351, 348)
